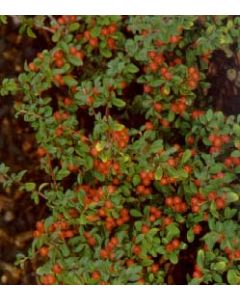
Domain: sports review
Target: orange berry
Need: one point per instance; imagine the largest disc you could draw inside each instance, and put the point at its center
(43, 251)
(154, 268)
(95, 275)
(57, 269)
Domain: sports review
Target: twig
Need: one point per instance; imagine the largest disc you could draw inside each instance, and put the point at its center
(52, 174)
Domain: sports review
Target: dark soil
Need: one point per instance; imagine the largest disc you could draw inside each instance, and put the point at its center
(18, 213)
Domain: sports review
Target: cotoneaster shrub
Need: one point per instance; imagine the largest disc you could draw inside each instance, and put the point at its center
(141, 169)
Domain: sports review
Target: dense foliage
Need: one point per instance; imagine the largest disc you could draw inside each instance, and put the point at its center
(143, 174)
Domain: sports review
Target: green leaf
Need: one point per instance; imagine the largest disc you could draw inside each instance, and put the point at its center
(210, 239)
(45, 269)
(64, 249)
(146, 262)
(131, 68)
(235, 153)
(232, 277)
(156, 146)
(190, 236)
(173, 257)
(88, 162)
(158, 173)
(220, 266)
(133, 272)
(62, 173)
(106, 52)
(217, 278)
(76, 61)
(139, 238)
(200, 258)
(135, 213)
(236, 129)
(3, 19)
(215, 168)
(30, 186)
(209, 115)
(56, 36)
(229, 213)
(195, 281)
(8, 86)
(138, 225)
(232, 197)
(178, 174)
(117, 126)
(35, 197)
(136, 180)
(70, 81)
(172, 231)
(118, 102)
(131, 47)
(186, 155)
(3, 168)
(30, 33)
(48, 221)
(82, 220)
(213, 210)
(73, 27)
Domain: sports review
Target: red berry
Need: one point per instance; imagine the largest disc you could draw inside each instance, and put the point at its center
(90, 100)
(169, 247)
(149, 126)
(212, 195)
(136, 250)
(68, 101)
(220, 203)
(111, 43)
(177, 200)
(114, 241)
(197, 274)
(103, 253)
(169, 201)
(48, 279)
(225, 138)
(188, 169)
(95, 275)
(158, 107)
(32, 67)
(57, 269)
(153, 66)
(167, 221)
(152, 218)
(43, 251)
(154, 268)
(171, 162)
(152, 54)
(130, 262)
(40, 226)
(91, 241)
(197, 229)
(41, 152)
(217, 142)
(145, 229)
(87, 35)
(147, 89)
(195, 208)
(93, 42)
(112, 28)
(105, 31)
(175, 243)
(59, 63)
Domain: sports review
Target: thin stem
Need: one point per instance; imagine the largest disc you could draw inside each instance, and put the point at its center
(52, 173)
